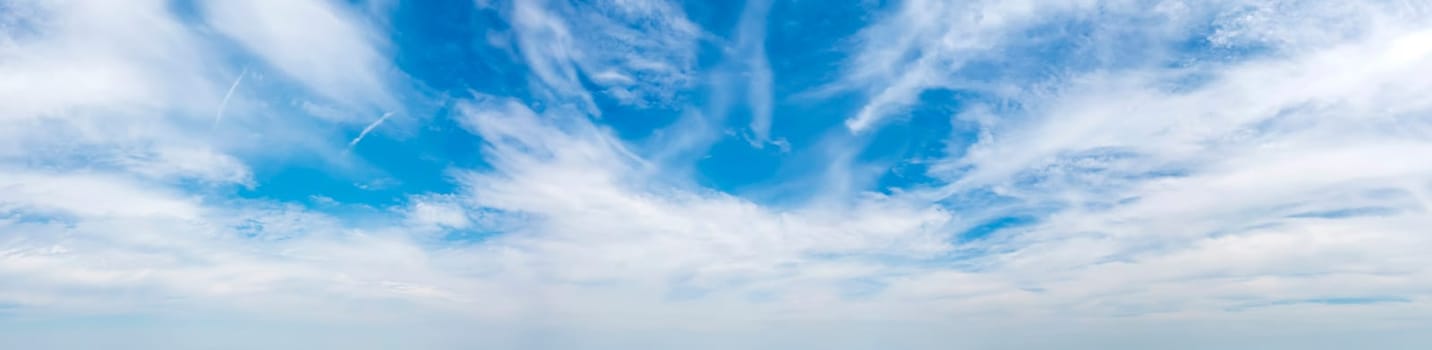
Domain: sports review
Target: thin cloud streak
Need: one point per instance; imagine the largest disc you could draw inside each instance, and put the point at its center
(223, 104)
(368, 129)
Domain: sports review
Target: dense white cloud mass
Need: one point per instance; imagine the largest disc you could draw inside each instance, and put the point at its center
(1275, 192)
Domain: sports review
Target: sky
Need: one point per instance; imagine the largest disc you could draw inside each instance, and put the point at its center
(761, 174)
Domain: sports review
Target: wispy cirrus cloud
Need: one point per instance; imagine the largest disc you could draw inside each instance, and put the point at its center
(117, 180)
(637, 52)
(1118, 174)
(1140, 168)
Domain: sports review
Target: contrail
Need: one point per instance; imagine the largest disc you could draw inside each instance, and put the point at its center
(225, 103)
(369, 129)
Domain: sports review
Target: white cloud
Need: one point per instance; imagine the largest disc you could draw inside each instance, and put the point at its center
(94, 85)
(1261, 197)
(319, 43)
(925, 43)
(638, 52)
(116, 185)
(744, 81)
(599, 217)
(1282, 177)
(90, 195)
(437, 211)
(368, 129)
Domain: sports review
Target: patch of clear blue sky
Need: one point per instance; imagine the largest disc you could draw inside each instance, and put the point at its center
(989, 227)
(805, 45)
(442, 45)
(446, 47)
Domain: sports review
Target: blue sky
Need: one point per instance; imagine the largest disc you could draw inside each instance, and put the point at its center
(610, 174)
